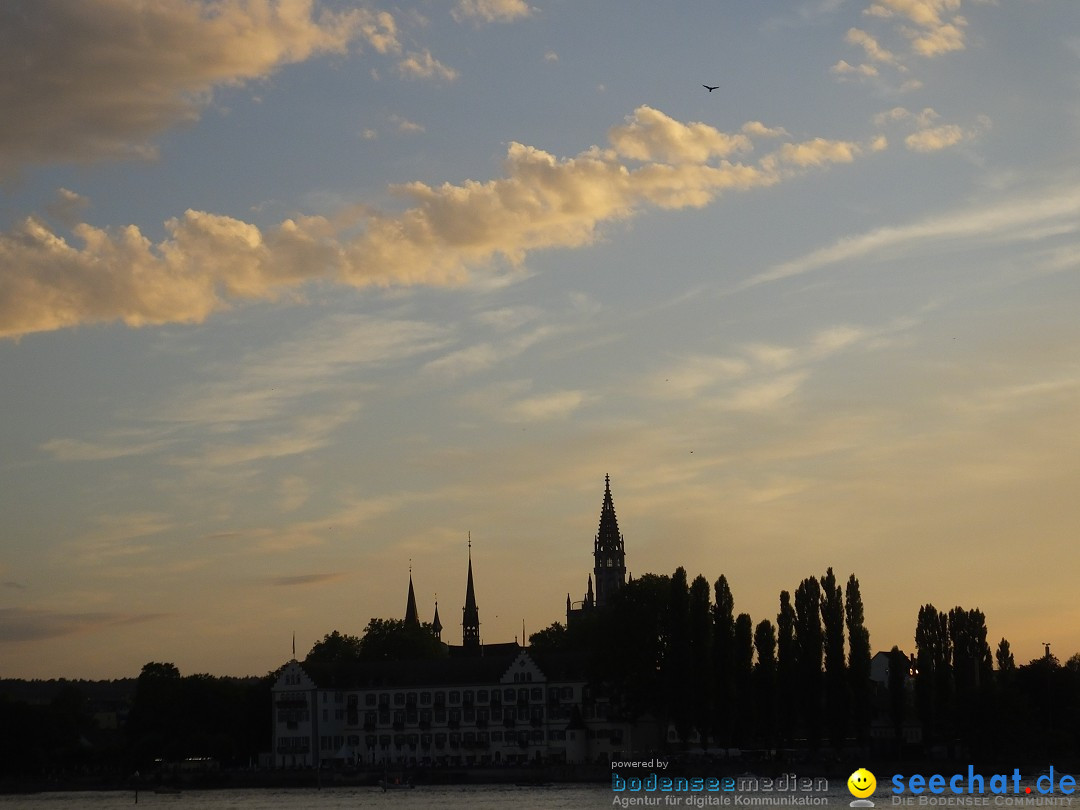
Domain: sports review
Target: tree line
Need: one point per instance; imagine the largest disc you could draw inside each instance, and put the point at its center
(677, 651)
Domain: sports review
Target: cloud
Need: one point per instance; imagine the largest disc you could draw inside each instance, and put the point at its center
(934, 138)
(929, 136)
(545, 407)
(490, 10)
(938, 28)
(306, 579)
(1011, 221)
(422, 65)
(651, 135)
(99, 79)
(874, 51)
(208, 262)
(25, 624)
(844, 68)
(405, 125)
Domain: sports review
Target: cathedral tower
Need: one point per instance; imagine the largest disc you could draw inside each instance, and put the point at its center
(608, 553)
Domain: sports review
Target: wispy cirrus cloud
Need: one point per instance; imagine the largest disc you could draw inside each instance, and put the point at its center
(210, 261)
(29, 624)
(305, 579)
(1015, 220)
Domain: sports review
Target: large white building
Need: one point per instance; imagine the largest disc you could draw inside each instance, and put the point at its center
(501, 708)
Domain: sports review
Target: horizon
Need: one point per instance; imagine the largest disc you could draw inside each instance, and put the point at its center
(296, 297)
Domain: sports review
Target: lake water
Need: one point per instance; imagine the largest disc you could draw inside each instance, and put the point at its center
(482, 797)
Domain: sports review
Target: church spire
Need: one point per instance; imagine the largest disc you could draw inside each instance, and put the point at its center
(470, 616)
(436, 625)
(608, 553)
(412, 617)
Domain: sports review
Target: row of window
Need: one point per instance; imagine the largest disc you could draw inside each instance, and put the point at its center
(466, 697)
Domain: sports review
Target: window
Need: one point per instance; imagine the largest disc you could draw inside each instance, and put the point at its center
(482, 696)
(384, 699)
(425, 698)
(455, 698)
(537, 693)
(369, 699)
(399, 698)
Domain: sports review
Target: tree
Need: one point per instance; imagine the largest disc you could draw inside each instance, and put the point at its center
(744, 678)
(787, 665)
(701, 643)
(836, 677)
(1005, 661)
(933, 685)
(765, 682)
(677, 660)
(723, 662)
(858, 661)
(810, 642)
(630, 645)
(335, 648)
(394, 640)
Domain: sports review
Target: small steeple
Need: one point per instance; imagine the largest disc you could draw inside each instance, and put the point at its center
(436, 625)
(412, 617)
(470, 616)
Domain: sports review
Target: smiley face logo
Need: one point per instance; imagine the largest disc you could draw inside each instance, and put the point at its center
(862, 783)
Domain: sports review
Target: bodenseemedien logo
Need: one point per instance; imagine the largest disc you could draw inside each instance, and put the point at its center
(861, 785)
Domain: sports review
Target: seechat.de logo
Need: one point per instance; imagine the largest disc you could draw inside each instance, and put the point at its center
(862, 784)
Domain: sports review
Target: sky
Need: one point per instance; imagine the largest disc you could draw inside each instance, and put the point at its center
(296, 295)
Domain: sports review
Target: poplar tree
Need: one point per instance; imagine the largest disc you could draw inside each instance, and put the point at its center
(701, 653)
(787, 664)
(836, 683)
(723, 666)
(765, 682)
(859, 661)
(810, 643)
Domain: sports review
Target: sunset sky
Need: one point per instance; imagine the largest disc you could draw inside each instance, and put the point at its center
(294, 293)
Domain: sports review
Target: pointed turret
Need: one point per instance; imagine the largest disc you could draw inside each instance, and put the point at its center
(470, 616)
(412, 617)
(608, 553)
(436, 625)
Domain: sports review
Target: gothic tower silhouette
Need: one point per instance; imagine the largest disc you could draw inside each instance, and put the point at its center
(609, 555)
(470, 616)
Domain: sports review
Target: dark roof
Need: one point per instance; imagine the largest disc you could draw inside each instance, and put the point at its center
(399, 674)
(486, 668)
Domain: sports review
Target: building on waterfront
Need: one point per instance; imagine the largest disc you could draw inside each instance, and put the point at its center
(480, 705)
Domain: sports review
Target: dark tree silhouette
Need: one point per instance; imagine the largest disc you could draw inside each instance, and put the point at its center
(744, 679)
(765, 682)
(701, 643)
(836, 677)
(787, 669)
(858, 661)
(1005, 661)
(810, 642)
(678, 661)
(933, 687)
(723, 662)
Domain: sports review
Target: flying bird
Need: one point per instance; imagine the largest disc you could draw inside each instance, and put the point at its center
(710, 89)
